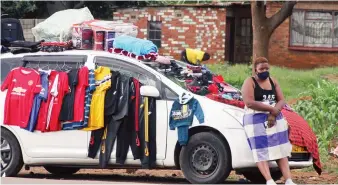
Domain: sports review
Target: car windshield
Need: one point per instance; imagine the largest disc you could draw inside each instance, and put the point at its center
(169, 74)
(196, 79)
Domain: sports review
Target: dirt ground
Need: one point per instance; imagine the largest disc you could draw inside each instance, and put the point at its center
(294, 101)
(170, 176)
(332, 78)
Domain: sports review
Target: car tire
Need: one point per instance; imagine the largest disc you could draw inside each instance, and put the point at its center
(10, 154)
(206, 159)
(61, 171)
(256, 177)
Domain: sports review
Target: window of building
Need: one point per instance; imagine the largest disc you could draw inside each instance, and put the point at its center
(155, 32)
(314, 30)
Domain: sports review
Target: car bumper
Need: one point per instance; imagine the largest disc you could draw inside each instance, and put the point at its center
(297, 161)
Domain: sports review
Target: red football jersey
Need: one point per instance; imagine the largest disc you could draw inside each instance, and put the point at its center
(22, 84)
(80, 93)
(42, 118)
(58, 92)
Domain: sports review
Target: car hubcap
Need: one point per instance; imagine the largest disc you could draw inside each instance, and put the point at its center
(6, 153)
(204, 159)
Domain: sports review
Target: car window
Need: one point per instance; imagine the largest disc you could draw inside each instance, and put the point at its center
(7, 64)
(169, 94)
(131, 70)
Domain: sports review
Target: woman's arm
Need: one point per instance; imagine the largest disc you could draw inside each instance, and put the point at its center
(249, 99)
(280, 97)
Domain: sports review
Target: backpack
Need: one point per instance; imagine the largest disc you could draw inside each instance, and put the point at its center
(11, 29)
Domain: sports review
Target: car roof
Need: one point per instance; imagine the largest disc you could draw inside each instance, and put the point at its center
(87, 53)
(67, 52)
(71, 52)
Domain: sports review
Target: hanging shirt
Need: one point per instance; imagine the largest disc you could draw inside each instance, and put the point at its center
(79, 102)
(88, 98)
(42, 96)
(59, 90)
(22, 84)
(102, 82)
(112, 95)
(80, 93)
(42, 117)
(122, 104)
(54, 93)
(67, 109)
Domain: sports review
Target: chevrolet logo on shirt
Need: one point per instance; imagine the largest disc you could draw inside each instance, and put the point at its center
(19, 90)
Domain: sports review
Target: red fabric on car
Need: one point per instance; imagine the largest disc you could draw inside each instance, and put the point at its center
(301, 134)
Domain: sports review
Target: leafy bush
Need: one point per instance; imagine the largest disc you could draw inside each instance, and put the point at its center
(321, 112)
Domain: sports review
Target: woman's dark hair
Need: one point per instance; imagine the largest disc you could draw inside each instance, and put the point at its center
(206, 56)
(260, 60)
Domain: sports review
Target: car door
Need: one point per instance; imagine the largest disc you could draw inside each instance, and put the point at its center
(59, 144)
(146, 78)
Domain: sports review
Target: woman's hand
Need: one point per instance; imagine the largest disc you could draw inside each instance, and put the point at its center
(275, 111)
(271, 120)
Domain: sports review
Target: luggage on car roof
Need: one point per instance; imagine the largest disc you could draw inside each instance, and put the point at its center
(11, 29)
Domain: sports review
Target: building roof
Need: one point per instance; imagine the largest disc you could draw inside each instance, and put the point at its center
(216, 4)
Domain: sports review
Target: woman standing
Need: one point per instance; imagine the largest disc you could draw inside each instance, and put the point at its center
(265, 127)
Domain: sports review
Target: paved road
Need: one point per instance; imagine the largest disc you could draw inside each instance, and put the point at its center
(101, 177)
(94, 179)
(22, 180)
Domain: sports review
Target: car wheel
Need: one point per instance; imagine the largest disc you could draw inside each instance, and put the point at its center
(205, 159)
(11, 156)
(61, 171)
(256, 177)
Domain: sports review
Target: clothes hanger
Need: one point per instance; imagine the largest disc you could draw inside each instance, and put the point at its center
(43, 67)
(57, 67)
(28, 65)
(67, 66)
(36, 66)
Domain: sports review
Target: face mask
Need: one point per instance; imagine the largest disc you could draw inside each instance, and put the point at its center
(263, 75)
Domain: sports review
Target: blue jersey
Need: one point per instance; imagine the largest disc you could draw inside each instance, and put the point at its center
(37, 101)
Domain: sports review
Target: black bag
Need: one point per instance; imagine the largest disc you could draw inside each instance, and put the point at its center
(11, 29)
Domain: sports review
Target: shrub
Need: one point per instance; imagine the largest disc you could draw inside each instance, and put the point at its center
(321, 112)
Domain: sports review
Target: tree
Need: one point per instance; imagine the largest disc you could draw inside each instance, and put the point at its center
(17, 9)
(263, 27)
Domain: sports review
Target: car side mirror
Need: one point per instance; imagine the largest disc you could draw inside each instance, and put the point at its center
(149, 91)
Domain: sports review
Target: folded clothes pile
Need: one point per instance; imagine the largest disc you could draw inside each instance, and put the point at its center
(200, 80)
(135, 45)
(20, 46)
(56, 46)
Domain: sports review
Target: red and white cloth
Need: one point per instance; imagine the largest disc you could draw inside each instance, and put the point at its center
(302, 135)
(150, 56)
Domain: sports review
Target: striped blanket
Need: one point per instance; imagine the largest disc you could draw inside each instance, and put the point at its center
(266, 143)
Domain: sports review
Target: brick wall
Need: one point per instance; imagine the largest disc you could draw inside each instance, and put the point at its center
(279, 52)
(197, 27)
(27, 25)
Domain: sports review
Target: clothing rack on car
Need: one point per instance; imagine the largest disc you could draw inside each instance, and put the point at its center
(54, 59)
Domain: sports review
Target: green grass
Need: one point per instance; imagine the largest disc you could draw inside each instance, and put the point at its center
(292, 82)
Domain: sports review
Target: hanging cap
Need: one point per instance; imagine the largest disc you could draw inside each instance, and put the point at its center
(184, 98)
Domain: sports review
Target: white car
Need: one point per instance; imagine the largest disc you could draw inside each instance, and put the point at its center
(215, 148)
